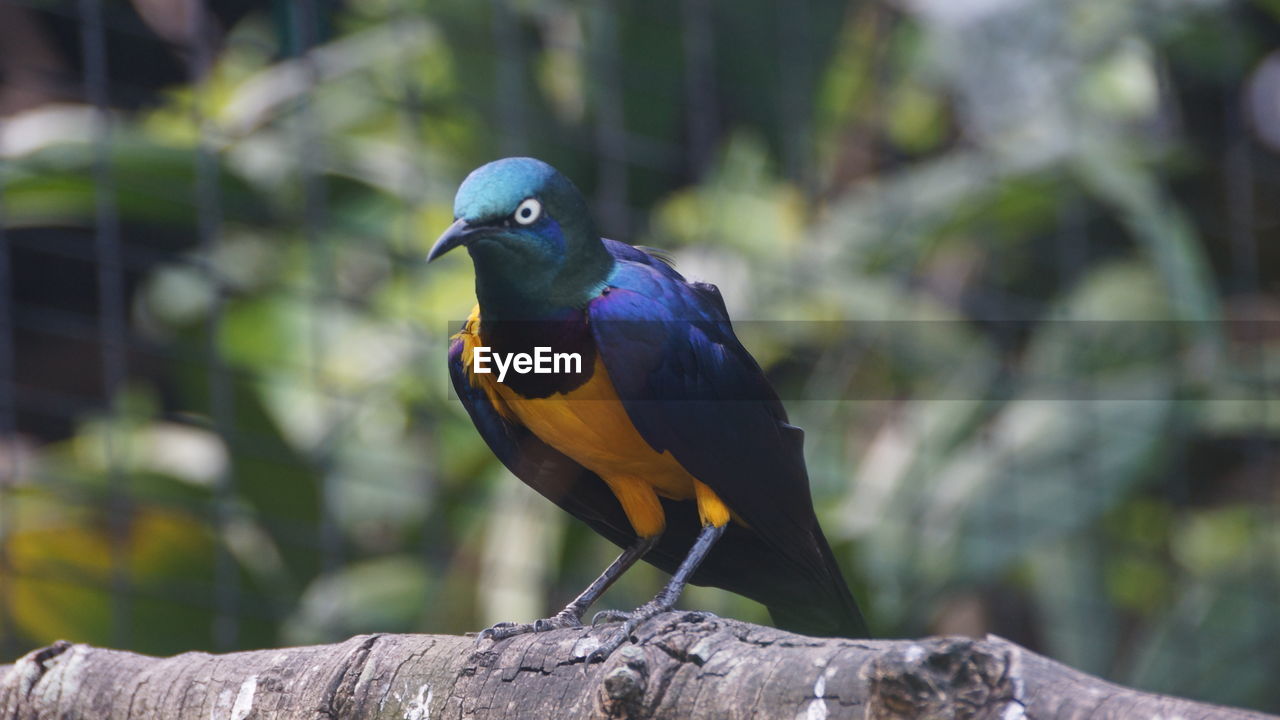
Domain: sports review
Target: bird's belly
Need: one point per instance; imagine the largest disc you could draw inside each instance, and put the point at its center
(591, 426)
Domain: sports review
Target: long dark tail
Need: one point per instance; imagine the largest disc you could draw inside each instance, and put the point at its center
(829, 610)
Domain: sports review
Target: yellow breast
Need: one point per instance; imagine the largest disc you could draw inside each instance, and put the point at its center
(590, 425)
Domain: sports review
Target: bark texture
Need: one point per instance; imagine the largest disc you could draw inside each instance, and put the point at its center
(684, 666)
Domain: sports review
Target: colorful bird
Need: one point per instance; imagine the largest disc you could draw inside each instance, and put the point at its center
(667, 440)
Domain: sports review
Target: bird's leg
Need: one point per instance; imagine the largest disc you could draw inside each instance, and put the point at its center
(665, 599)
(571, 615)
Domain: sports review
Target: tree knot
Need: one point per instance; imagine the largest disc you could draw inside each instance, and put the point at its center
(623, 688)
(32, 667)
(945, 678)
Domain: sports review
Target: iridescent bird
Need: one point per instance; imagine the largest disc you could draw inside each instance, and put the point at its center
(668, 441)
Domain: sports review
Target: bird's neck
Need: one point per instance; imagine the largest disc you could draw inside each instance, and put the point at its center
(503, 302)
(507, 293)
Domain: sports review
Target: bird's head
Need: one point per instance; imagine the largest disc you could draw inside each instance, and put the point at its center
(531, 237)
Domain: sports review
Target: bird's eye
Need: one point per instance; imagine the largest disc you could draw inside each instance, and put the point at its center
(528, 211)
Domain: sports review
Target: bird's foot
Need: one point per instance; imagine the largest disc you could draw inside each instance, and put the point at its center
(503, 630)
(605, 616)
(630, 622)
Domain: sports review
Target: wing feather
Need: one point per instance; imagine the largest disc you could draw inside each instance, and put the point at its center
(691, 388)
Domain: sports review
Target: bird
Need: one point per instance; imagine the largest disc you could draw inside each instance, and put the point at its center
(666, 438)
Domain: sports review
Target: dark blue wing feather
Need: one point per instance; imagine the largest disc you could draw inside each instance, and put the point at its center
(691, 388)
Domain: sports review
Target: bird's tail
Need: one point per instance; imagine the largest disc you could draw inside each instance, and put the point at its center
(828, 610)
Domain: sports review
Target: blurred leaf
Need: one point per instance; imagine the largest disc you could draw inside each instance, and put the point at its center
(739, 206)
(1165, 234)
(1079, 622)
(1027, 481)
(1083, 426)
(65, 580)
(59, 585)
(1219, 542)
(1124, 85)
(845, 96)
(1221, 611)
(917, 118)
(387, 594)
(278, 88)
(57, 185)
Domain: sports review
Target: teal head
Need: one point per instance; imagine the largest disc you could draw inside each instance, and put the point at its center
(531, 238)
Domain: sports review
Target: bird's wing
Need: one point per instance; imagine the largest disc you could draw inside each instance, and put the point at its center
(690, 388)
(561, 480)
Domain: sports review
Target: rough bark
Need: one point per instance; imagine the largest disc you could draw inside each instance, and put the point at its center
(683, 667)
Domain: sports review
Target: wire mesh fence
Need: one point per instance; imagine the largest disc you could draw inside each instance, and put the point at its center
(1011, 265)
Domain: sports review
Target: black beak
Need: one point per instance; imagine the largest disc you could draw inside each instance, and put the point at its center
(457, 234)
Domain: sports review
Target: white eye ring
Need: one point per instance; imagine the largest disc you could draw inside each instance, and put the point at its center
(527, 212)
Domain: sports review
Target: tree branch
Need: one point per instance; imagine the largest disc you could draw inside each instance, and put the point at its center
(685, 667)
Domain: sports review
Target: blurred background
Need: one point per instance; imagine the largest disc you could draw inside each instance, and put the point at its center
(1013, 264)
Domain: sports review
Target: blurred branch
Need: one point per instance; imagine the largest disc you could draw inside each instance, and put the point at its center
(684, 667)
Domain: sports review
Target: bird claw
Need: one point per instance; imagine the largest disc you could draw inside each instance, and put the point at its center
(559, 621)
(630, 622)
(504, 630)
(606, 648)
(609, 616)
